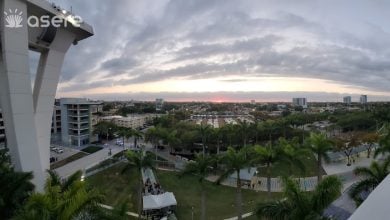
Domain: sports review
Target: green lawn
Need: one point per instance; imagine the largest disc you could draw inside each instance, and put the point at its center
(220, 199)
(91, 149)
(284, 169)
(67, 160)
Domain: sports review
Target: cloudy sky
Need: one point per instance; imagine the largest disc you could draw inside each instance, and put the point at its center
(230, 50)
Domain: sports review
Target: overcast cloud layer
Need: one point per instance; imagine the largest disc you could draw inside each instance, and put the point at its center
(135, 42)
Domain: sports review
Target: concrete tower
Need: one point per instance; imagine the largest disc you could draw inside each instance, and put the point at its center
(27, 111)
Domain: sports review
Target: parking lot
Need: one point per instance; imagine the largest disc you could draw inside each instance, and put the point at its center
(67, 152)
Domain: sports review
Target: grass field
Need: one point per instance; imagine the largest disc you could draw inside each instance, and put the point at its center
(284, 169)
(91, 149)
(68, 160)
(221, 199)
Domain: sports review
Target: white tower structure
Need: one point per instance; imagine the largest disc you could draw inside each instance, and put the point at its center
(27, 111)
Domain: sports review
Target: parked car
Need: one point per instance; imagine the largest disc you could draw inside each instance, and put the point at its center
(59, 151)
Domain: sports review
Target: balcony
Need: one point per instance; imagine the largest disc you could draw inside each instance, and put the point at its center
(77, 128)
(81, 135)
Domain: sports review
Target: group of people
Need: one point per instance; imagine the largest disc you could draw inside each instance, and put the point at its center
(154, 189)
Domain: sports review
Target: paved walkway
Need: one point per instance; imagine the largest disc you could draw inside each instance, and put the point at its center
(87, 161)
(341, 166)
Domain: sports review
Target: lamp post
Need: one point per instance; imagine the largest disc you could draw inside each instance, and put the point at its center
(108, 130)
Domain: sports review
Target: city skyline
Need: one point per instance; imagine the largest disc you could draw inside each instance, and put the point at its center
(183, 50)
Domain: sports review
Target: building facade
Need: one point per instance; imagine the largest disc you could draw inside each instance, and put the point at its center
(347, 100)
(159, 104)
(76, 121)
(363, 99)
(299, 102)
(131, 121)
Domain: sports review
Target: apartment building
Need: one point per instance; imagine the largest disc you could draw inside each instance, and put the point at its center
(299, 102)
(347, 100)
(363, 99)
(131, 121)
(76, 121)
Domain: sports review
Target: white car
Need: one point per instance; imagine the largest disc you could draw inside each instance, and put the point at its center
(59, 151)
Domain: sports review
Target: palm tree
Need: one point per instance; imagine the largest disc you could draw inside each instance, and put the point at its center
(171, 138)
(204, 132)
(153, 136)
(293, 154)
(201, 168)
(139, 160)
(136, 135)
(125, 133)
(298, 205)
(63, 201)
(228, 131)
(384, 140)
(372, 176)
(218, 134)
(319, 144)
(244, 129)
(234, 161)
(15, 187)
(104, 128)
(269, 155)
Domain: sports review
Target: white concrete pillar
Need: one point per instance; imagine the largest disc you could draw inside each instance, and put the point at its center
(45, 87)
(16, 97)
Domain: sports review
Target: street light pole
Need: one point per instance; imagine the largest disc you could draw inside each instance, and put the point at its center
(108, 130)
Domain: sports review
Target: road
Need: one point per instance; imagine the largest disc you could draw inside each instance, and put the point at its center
(87, 161)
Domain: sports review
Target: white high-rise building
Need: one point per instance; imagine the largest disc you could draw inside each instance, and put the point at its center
(363, 99)
(76, 121)
(347, 100)
(159, 104)
(299, 102)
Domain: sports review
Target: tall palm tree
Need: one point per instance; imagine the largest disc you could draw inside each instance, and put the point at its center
(125, 133)
(201, 168)
(153, 136)
(61, 201)
(229, 132)
(171, 138)
(136, 134)
(218, 134)
(372, 176)
(268, 155)
(204, 132)
(298, 205)
(244, 129)
(319, 144)
(234, 161)
(139, 160)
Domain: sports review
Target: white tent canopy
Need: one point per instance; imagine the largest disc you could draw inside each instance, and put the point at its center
(160, 201)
